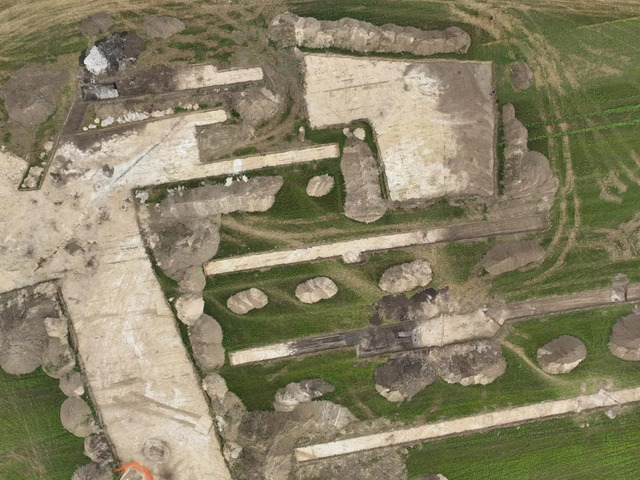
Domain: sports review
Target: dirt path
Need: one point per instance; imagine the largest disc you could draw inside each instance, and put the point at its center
(519, 351)
(569, 190)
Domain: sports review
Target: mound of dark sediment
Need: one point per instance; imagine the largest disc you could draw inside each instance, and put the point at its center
(561, 355)
(625, 337)
(96, 24)
(508, 256)
(156, 26)
(521, 76)
(404, 376)
(23, 333)
(112, 53)
(31, 94)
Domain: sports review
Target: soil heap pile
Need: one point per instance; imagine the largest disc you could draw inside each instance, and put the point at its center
(561, 355)
(289, 29)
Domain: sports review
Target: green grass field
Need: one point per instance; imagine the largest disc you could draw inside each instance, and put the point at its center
(555, 449)
(33, 443)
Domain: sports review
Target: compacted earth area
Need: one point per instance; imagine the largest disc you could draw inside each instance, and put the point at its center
(316, 240)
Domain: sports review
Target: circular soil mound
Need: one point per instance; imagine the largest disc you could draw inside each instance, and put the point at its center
(96, 24)
(316, 289)
(625, 337)
(561, 355)
(161, 27)
(320, 185)
(31, 94)
(76, 417)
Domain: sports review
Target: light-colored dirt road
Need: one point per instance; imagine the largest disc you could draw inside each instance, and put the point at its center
(476, 423)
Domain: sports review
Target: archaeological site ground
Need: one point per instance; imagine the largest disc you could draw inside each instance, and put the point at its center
(319, 240)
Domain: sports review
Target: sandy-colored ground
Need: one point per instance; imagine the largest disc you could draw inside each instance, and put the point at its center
(199, 76)
(434, 120)
(140, 377)
(499, 418)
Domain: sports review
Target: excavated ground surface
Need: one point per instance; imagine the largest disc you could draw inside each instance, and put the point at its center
(434, 120)
(115, 303)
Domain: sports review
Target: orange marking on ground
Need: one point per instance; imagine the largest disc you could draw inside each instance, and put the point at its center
(136, 466)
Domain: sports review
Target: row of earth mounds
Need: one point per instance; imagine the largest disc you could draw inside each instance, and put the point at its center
(262, 442)
(310, 291)
(174, 232)
(481, 361)
(182, 230)
(34, 332)
(477, 362)
(290, 30)
(396, 279)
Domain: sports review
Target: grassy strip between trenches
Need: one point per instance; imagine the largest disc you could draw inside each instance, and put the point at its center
(521, 384)
(33, 443)
(285, 317)
(296, 219)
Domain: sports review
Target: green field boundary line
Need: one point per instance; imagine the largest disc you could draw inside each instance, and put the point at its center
(580, 116)
(608, 126)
